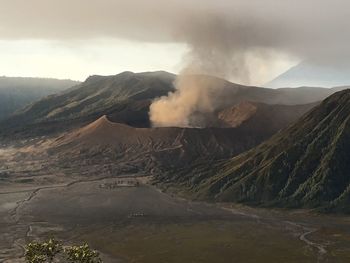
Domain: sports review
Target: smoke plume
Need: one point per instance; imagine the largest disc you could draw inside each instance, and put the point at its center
(214, 51)
(193, 95)
(223, 45)
(237, 39)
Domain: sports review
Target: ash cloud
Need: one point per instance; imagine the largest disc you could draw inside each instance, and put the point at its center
(300, 27)
(230, 39)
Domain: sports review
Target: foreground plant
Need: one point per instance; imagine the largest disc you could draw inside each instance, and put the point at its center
(52, 251)
(38, 252)
(82, 254)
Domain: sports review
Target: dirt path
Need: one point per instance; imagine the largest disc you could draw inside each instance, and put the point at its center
(298, 227)
(303, 236)
(320, 248)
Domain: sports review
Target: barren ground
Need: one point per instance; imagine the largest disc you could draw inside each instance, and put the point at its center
(142, 224)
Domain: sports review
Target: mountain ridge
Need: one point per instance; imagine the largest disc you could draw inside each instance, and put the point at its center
(17, 92)
(126, 98)
(312, 73)
(149, 149)
(305, 165)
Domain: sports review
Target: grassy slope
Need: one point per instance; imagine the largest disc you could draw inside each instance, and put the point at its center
(306, 165)
(16, 93)
(124, 94)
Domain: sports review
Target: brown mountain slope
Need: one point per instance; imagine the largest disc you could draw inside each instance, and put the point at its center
(147, 148)
(262, 117)
(173, 147)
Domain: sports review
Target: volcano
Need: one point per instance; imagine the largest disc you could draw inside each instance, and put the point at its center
(305, 165)
(146, 148)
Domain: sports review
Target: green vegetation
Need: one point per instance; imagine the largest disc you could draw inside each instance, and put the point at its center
(306, 165)
(124, 98)
(52, 251)
(16, 93)
(82, 254)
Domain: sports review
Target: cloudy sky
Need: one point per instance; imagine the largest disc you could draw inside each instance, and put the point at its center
(246, 41)
(79, 59)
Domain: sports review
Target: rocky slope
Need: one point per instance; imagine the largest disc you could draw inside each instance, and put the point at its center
(306, 165)
(262, 117)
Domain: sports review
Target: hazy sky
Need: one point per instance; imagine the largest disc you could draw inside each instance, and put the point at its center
(79, 59)
(247, 41)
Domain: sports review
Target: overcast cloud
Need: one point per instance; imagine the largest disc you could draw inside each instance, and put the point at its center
(225, 38)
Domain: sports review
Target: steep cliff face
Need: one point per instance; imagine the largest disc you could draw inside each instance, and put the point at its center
(306, 165)
(262, 117)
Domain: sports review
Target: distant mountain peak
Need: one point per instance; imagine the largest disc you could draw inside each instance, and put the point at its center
(313, 74)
